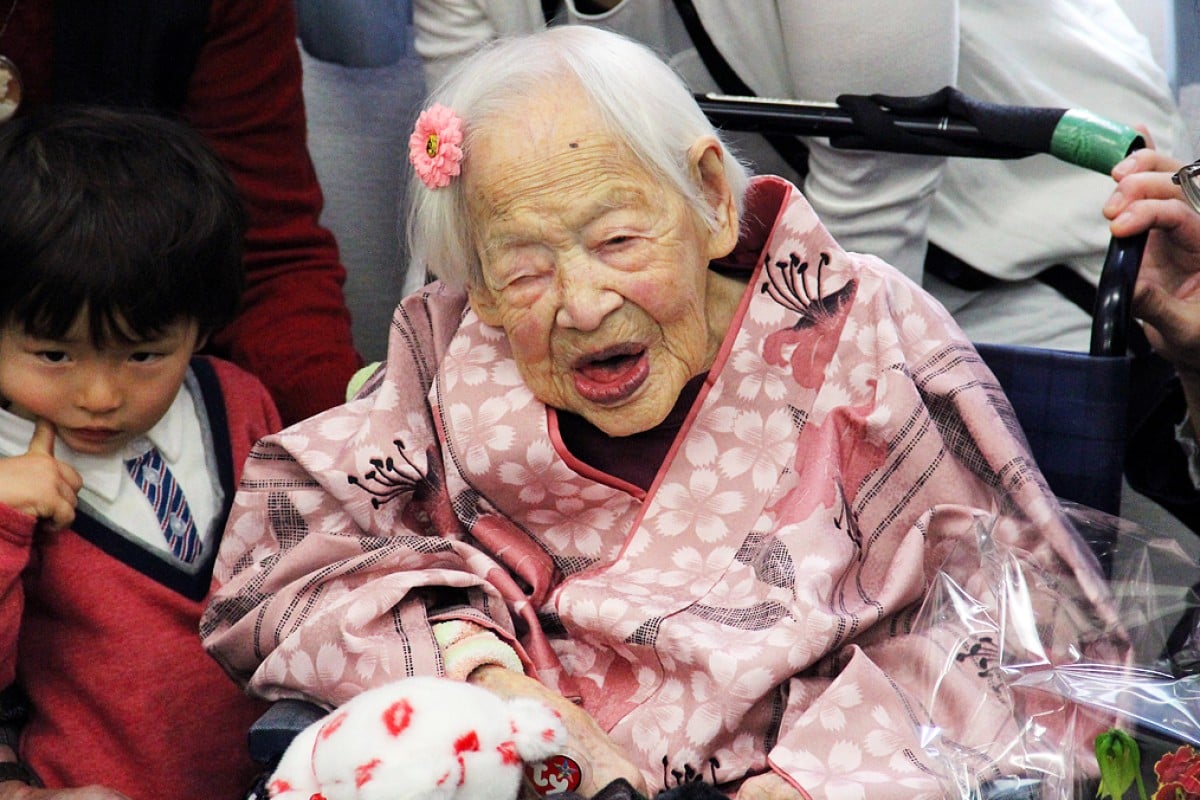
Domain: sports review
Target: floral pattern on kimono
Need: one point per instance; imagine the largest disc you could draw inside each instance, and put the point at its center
(756, 608)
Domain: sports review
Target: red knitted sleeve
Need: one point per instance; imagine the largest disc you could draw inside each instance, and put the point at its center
(245, 96)
(16, 542)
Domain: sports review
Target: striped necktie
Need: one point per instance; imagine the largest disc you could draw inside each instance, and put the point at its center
(151, 475)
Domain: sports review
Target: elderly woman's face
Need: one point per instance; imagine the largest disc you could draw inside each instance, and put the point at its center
(597, 273)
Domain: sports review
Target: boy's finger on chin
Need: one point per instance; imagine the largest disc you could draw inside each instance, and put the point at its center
(56, 519)
(47, 525)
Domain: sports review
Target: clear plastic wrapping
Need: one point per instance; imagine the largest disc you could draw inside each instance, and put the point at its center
(1067, 673)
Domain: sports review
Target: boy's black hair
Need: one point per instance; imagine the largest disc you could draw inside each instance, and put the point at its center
(125, 214)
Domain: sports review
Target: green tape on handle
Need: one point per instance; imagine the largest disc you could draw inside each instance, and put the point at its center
(1099, 144)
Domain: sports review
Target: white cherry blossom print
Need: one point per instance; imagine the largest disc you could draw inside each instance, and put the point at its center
(752, 684)
(573, 525)
(468, 361)
(505, 373)
(639, 583)
(766, 316)
(346, 428)
(880, 416)
(692, 565)
(899, 296)
(707, 720)
(838, 774)
(728, 584)
(480, 432)
(755, 377)
(698, 508)
(301, 668)
(837, 700)
(765, 445)
(309, 501)
(371, 662)
(242, 535)
(637, 545)
(814, 582)
(299, 440)
(652, 732)
(609, 614)
(689, 638)
(701, 449)
(704, 723)
(915, 328)
(806, 638)
(702, 688)
(865, 341)
(331, 662)
(862, 381)
(542, 473)
(360, 608)
(743, 755)
(320, 462)
(577, 657)
(885, 335)
(890, 740)
(416, 427)
(386, 397)
(487, 332)
(648, 681)
(275, 670)
(506, 376)
(715, 399)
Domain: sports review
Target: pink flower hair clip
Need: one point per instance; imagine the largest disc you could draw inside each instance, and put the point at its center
(435, 146)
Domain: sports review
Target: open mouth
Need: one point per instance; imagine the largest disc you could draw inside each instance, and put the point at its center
(611, 375)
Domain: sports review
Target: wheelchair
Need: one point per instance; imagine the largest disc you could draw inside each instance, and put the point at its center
(1073, 407)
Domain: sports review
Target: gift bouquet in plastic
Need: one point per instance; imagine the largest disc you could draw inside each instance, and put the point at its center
(1112, 719)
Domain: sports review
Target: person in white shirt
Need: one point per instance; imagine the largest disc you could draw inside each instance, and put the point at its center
(1006, 220)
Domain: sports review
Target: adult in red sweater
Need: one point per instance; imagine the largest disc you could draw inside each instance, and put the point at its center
(121, 240)
(231, 69)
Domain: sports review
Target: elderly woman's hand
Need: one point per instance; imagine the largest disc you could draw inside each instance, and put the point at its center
(768, 786)
(1167, 296)
(600, 759)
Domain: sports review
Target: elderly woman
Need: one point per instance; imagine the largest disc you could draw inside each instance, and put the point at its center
(655, 449)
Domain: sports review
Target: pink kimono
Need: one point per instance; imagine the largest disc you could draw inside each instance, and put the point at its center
(758, 608)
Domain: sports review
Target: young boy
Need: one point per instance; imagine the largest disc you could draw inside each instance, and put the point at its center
(120, 243)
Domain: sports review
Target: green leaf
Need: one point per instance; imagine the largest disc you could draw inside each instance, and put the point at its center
(1120, 762)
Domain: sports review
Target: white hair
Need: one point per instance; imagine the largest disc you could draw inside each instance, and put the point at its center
(643, 101)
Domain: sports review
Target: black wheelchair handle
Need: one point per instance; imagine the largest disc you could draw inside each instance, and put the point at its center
(1113, 312)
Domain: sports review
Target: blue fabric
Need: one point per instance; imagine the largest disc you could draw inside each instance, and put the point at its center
(355, 33)
(149, 471)
(1073, 408)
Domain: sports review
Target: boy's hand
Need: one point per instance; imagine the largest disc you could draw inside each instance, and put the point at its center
(37, 483)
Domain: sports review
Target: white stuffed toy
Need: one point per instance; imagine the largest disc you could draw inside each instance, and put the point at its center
(419, 739)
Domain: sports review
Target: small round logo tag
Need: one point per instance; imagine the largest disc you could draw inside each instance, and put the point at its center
(555, 775)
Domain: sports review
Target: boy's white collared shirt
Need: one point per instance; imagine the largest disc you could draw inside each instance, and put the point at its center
(108, 487)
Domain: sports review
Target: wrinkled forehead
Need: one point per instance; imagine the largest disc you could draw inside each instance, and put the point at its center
(554, 154)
